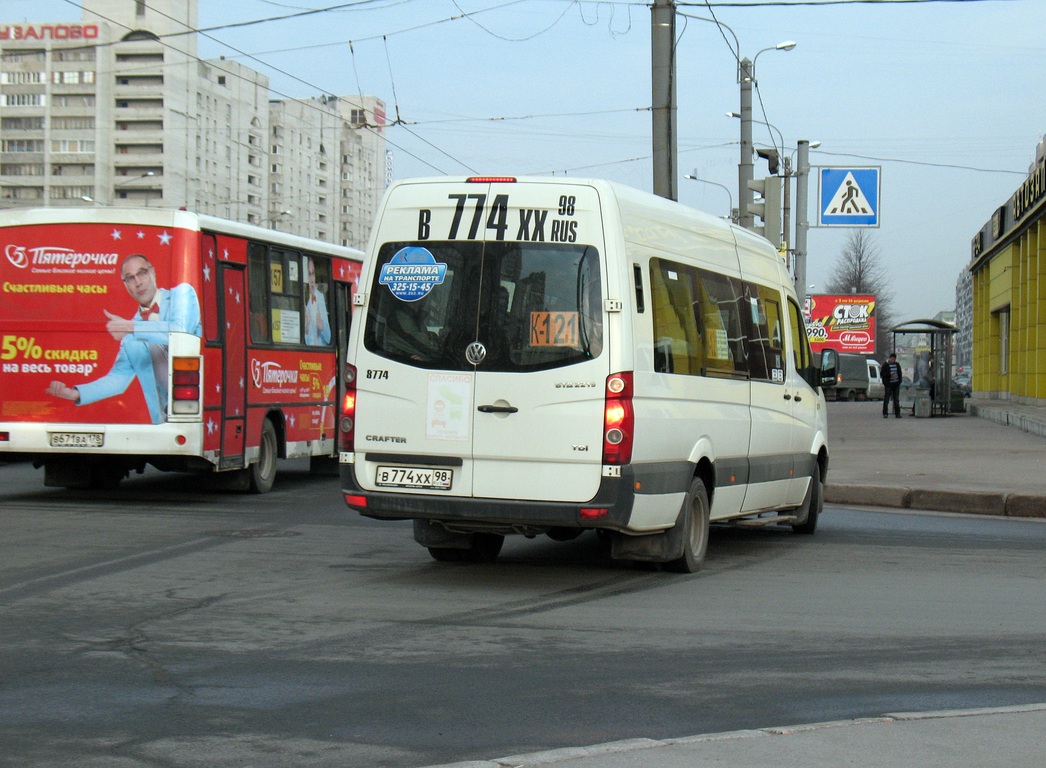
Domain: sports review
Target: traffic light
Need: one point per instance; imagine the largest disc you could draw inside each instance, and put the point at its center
(768, 209)
(773, 160)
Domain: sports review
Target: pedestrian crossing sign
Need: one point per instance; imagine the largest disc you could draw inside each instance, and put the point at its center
(849, 197)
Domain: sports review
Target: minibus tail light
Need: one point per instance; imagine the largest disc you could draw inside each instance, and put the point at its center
(347, 421)
(618, 419)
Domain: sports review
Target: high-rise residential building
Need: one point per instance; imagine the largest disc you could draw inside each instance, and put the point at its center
(118, 109)
(326, 172)
(964, 320)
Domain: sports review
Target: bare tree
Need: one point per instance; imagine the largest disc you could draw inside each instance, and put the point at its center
(859, 269)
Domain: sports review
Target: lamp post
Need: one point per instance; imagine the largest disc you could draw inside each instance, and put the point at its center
(733, 211)
(744, 168)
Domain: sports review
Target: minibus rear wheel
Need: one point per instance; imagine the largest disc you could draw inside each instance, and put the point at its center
(695, 520)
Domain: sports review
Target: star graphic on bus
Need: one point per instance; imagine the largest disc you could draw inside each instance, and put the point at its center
(165, 238)
(116, 234)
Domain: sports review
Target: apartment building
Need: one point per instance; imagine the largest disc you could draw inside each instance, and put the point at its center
(119, 110)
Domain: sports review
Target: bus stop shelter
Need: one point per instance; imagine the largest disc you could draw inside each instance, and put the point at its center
(928, 392)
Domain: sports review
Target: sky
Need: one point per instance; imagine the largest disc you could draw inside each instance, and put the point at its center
(947, 98)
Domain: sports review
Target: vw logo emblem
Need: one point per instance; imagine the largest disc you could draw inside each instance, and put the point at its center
(475, 353)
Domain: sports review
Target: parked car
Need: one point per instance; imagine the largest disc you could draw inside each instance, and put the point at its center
(857, 377)
(876, 389)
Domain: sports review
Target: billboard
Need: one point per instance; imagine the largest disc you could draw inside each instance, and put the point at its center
(85, 316)
(844, 322)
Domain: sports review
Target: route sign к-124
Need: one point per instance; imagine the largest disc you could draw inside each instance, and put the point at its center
(848, 197)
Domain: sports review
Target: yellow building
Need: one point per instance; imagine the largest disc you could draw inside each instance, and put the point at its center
(1009, 296)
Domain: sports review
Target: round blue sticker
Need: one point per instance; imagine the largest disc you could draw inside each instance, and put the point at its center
(412, 273)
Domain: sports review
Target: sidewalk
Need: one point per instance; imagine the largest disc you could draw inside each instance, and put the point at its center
(956, 463)
(967, 738)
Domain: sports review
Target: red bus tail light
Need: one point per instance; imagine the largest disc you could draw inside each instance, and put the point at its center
(347, 421)
(186, 375)
(618, 419)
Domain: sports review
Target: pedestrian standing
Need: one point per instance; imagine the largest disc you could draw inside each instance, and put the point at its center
(891, 374)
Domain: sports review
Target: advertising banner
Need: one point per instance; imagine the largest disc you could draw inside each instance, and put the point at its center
(85, 316)
(844, 322)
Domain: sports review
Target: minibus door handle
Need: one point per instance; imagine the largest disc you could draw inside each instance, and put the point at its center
(497, 409)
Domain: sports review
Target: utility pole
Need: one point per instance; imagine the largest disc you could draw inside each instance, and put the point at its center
(789, 244)
(663, 92)
(802, 222)
(744, 167)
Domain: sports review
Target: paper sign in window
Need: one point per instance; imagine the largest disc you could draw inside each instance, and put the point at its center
(554, 329)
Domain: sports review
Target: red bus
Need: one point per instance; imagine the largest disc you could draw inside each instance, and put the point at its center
(148, 336)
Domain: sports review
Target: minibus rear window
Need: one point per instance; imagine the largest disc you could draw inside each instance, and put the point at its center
(532, 306)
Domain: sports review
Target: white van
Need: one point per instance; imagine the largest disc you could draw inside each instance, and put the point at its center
(551, 355)
(876, 388)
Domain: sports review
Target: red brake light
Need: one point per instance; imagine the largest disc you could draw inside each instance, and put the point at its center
(347, 422)
(491, 179)
(185, 385)
(357, 501)
(618, 419)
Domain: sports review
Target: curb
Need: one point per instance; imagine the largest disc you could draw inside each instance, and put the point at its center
(631, 745)
(965, 502)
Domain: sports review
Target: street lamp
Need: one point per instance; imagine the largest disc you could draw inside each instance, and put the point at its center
(145, 175)
(276, 217)
(125, 182)
(770, 126)
(744, 168)
(733, 211)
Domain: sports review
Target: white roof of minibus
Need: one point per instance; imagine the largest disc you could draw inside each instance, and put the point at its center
(171, 217)
(708, 224)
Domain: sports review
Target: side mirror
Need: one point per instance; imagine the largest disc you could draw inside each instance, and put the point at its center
(829, 364)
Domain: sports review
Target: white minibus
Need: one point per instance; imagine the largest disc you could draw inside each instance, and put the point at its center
(550, 356)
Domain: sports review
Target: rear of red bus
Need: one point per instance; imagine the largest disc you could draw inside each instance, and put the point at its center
(101, 358)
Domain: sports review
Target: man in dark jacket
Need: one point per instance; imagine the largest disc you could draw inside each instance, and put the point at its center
(891, 374)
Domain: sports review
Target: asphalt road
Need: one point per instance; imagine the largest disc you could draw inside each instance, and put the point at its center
(166, 624)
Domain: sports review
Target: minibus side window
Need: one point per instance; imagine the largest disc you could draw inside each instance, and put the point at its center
(697, 321)
(678, 342)
(800, 342)
(766, 335)
(722, 315)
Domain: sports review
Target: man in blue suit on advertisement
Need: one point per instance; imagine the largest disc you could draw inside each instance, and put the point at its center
(143, 340)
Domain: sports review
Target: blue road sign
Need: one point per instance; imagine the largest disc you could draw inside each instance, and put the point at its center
(849, 197)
